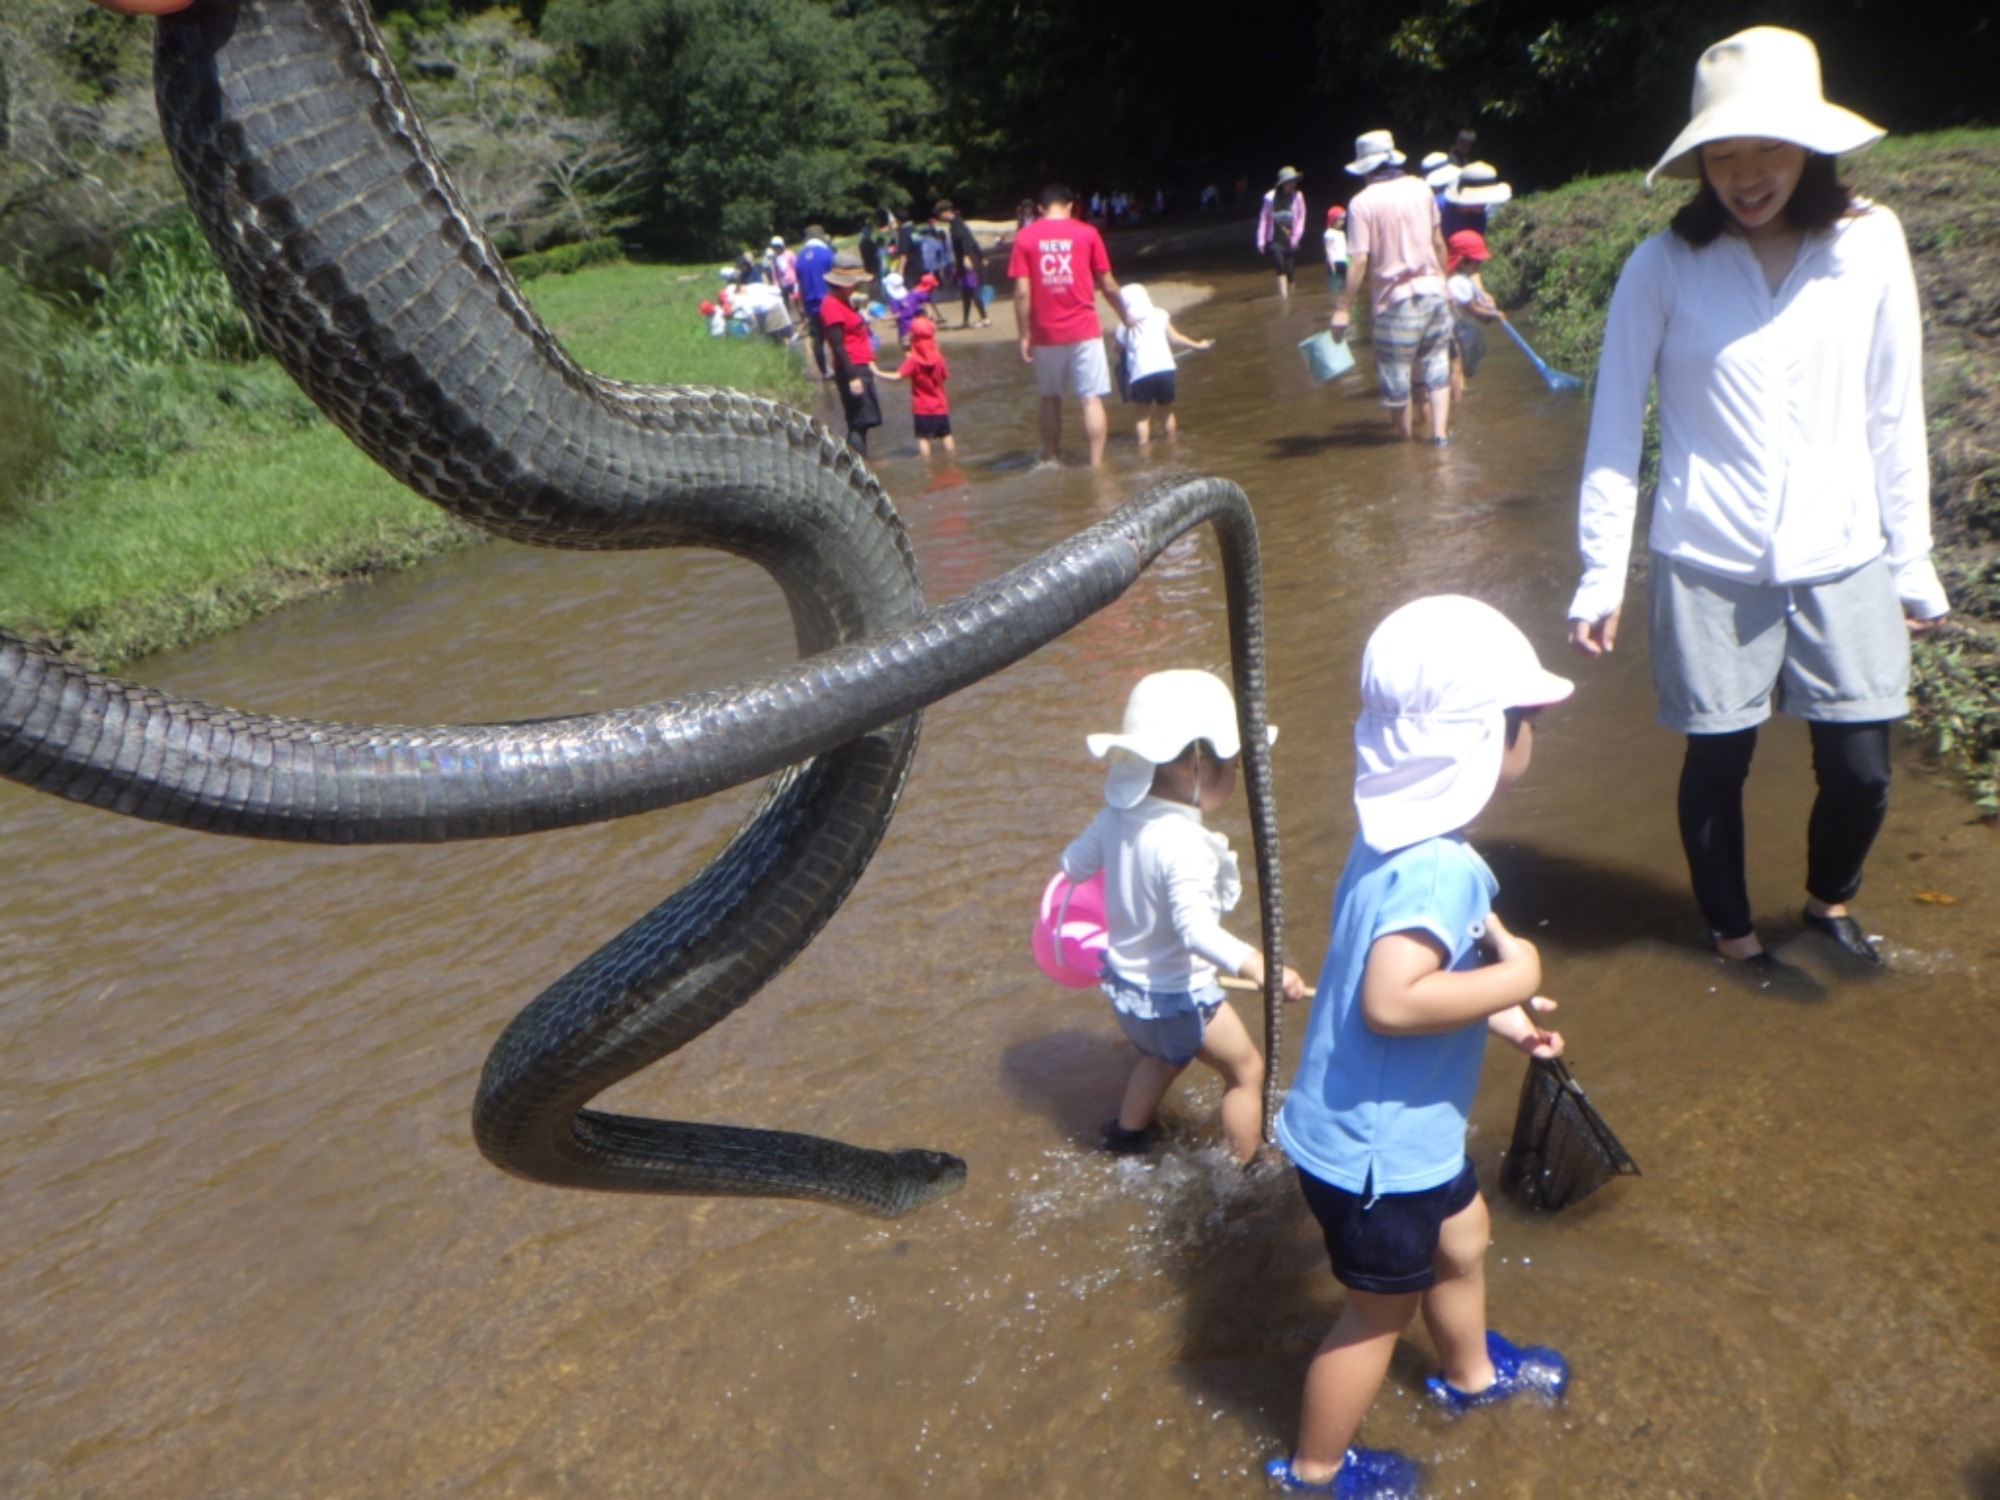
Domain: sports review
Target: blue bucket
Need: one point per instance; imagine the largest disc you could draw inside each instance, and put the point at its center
(1324, 358)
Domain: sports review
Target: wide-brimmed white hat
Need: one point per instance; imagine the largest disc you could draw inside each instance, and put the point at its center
(1374, 150)
(1763, 84)
(1437, 680)
(1167, 712)
(1289, 174)
(1440, 174)
(1478, 186)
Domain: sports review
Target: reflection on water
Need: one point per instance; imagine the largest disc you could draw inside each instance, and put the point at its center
(249, 1248)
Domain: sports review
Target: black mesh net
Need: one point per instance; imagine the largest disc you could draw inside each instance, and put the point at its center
(1562, 1150)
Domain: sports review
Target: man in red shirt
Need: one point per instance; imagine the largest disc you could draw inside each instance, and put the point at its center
(1058, 268)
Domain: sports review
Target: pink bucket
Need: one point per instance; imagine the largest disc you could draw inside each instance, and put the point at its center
(1069, 932)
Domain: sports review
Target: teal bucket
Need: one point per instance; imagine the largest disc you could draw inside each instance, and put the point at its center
(1324, 358)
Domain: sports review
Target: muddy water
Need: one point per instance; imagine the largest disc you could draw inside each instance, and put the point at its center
(249, 1249)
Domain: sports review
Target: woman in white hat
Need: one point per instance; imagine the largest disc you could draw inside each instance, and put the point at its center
(1281, 223)
(1167, 881)
(1791, 526)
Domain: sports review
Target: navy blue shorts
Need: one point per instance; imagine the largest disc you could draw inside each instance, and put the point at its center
(1156, 389)
(938, 426)
(1386, 1242)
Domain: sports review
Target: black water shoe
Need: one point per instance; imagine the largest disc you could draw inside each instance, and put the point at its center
(1848, 935)
(1122, 1142)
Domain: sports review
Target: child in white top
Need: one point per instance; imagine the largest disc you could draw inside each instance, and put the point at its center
(1167, 880)
(1146, 346)
(1335, 240)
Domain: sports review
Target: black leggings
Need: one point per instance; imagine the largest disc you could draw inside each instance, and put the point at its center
(1851, 764)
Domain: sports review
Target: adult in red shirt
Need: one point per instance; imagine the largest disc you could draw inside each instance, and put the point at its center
(1059, 265)
(849, 349)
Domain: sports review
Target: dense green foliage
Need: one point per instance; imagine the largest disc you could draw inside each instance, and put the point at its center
(750, 118)
(564, 259)
(1562, 87)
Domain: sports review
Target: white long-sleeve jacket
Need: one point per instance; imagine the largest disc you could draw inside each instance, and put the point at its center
(1167, 881)
(1792, 442)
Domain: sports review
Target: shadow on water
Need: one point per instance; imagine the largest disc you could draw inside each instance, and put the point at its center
(1583, 904)
(1982, 1476)
(1293, 445)
(1074, 1077)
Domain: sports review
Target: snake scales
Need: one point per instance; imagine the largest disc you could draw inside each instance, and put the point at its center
(369, 280)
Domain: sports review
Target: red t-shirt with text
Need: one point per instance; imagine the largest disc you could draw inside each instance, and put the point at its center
(1062, 259)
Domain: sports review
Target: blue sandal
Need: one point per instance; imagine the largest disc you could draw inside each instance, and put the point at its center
(1364, 1474)
(1535, 1369)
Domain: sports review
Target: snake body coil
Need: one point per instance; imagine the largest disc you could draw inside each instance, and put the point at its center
(373, 285)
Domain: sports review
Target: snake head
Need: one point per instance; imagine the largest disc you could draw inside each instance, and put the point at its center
(923, 1177)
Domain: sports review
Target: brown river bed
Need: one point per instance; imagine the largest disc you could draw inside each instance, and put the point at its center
(250, 1250)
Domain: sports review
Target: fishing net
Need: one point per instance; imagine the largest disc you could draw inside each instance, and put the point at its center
(1562, 1150)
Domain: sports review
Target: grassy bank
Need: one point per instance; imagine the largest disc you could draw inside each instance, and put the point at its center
(1559, 253)
(238, 497)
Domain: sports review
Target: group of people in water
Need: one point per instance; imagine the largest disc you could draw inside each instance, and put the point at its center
(1789, 567)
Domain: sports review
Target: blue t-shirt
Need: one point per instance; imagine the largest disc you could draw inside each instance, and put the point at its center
(810, 265)
(1386, 1114)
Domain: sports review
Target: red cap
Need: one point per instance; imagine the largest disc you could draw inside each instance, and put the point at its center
(1336, 212)
(1468, 244)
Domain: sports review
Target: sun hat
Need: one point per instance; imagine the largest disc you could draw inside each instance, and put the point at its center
(1167, 712)
(1373, 151)
(1289, 174)
(1138, 301)
(1466, 244)
(1437, 679)
(1478, 186)
(922, 328)
(777, 242)
(846, 270)
(1433, 161)
(1764, 84)
(1441, 177)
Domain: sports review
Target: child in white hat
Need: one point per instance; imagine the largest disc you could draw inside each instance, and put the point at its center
(1167, 881)
(1418, 971)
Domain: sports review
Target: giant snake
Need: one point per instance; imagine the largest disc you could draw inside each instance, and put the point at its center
(373, 285)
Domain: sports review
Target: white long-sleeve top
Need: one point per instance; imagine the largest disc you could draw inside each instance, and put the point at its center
(1792, 442)
(1167, 881)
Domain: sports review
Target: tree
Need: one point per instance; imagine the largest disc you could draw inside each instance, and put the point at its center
(754, 118)
(80, 152)
(532, 173)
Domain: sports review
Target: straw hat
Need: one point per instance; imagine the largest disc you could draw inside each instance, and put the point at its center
(1763, 84)
(846, 270)
(1373, 151)
(1437, 679)
(1443, 175)
(1289, 174)
(1167, 712)
(1478, 186)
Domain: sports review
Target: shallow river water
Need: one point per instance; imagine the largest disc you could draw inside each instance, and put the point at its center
(249, 1248)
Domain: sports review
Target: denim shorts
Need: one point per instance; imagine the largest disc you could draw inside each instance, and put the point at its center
(1386, 1242)
(1167, 1024)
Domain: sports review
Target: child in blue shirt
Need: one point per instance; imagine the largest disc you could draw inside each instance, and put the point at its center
(1419, 970)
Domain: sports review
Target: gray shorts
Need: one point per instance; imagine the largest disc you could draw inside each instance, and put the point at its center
(1835, 651)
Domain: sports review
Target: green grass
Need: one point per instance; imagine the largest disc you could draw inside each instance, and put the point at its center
(272, 503)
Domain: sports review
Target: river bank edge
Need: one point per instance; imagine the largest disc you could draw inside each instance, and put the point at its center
(1557, 255)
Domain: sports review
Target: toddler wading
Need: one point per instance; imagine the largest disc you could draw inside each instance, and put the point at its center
(1419, 970)
(1167, 881)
